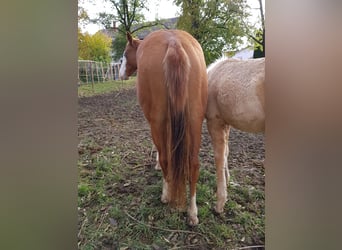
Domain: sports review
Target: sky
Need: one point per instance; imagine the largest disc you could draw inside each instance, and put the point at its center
(157, 9)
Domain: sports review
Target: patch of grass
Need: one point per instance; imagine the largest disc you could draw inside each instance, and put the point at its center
(116, 212)
(83, 189)
(105, 193)
(205, 212)
(111, 190)
(85, 90)
(204, 194)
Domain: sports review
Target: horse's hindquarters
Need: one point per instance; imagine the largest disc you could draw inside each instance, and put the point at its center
(172, 91)
(236, 94)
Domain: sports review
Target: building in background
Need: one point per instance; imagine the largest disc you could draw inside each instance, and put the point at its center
(246, 53)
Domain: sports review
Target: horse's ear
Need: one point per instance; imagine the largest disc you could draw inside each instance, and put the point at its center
(129, 38)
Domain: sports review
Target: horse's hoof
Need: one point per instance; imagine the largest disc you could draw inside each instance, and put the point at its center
(164, 199)
(157, 167)
(193, 221)
(219, 209)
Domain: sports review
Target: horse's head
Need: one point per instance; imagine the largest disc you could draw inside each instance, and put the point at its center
(129, 59)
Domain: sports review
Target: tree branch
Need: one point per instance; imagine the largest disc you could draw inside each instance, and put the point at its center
(262, 15)
(150, 25)
(133, 13)
(121, 15)
(255, 39)
(127, 17)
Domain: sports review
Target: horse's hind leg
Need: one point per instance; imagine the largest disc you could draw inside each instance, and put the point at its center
(192, 210)
(159, 140)
(157, 167)
(194, 174)
(219, 133)
(226, 154)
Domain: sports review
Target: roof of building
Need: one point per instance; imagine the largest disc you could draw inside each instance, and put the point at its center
(169, 23)
(246, 53)
(109, 32)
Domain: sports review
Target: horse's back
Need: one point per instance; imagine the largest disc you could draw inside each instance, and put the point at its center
(236, 93)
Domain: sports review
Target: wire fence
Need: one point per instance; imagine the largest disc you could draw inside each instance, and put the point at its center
(92, 72)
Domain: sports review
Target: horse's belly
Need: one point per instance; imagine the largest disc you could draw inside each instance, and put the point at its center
(250, 124)
(245, 115)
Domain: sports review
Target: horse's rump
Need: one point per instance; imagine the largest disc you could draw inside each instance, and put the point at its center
(176, 67)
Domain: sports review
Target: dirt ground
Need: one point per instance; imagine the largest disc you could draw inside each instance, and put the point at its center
(116, 121)
(116, 118)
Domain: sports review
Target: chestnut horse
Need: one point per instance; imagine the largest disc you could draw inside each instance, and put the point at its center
(172, 92)
(236, 99)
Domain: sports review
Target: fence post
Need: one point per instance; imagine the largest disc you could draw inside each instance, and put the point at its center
(103, 76)
(118, 65)
(92, 75)
(108, 71)
(97, 70)
(115, 71)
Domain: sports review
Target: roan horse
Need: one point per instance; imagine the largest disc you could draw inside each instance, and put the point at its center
(235, 99)
(172, 92)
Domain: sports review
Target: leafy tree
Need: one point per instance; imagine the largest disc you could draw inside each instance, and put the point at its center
(118, 45)
(259, 49)
(94, 47)
(127, 13)
(259, 39)
(83, 17)
(216, 24)
(105, 19)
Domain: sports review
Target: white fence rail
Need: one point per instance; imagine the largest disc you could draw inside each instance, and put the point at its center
(92, 72)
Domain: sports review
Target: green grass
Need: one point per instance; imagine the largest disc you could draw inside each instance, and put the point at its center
(85, 90)
(113, 191)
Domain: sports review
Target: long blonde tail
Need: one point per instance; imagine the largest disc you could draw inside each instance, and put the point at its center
(177, 69)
